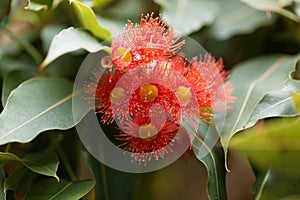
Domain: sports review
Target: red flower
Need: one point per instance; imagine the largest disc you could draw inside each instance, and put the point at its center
(143, 43)
(151, 89)
(148, 141)
(105, 93)
(208, 81)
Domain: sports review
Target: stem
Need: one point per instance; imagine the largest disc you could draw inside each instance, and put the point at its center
(8, 147)
(66, 163)
(27, 46)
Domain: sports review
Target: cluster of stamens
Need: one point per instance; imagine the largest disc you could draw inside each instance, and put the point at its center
(147, 87)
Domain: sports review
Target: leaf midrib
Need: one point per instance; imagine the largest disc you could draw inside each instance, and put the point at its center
(213, 160)
(252, 86)
(60, 102)
(61, 190)
(271, 107)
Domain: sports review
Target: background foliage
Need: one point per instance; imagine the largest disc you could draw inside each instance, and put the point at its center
(43, 42)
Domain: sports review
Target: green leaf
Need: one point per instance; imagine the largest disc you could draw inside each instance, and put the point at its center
(69, 40)
(212, 156)
(4, 9)
(190, 15)
(214, 163)
(261, 178)
(50, 189)
(19, 181)
(227, 24)
(274, 6)
(12, 80)
(8, 65)
(37, 105)
(297, 7)
(252, 80)
(38, 5)
(296, 101)
(47, 34)
(110, 183)
(115, 26)
(89, 21)
(275, 145)
(2, 178)
(97, 3)
(45, 163)
(277, 103)
(280, 187)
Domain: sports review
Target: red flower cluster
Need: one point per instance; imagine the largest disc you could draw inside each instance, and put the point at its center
(150, 88)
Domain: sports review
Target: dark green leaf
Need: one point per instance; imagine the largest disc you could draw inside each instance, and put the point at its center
(227, 24)
(12, 80)
(37, 105)
(45, 163)
(110, 183)
(19, 181)
(190, 15)
(4, 9)
(2, 178)
(261, 178)
(252, 80)
(51, 189)
(280, 187)
(89, 21)
(212, 156)
(69, 40)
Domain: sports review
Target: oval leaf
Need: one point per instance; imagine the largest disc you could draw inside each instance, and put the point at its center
(89, 21)
(251, 81)
(227, 24)
(37, 105)
(190, 15)
(212, 158)
(45, 163)
(50, 189)
(278, 103)
(19, 181)
(69, 40)
(11, 81)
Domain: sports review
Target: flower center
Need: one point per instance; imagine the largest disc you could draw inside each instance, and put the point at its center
(148, 132)
(184, 95)
(149, 92)
(124, 54)
(117, 95)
